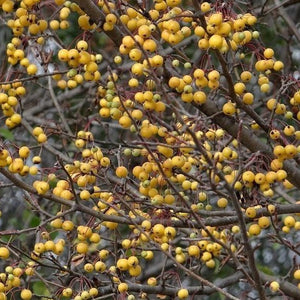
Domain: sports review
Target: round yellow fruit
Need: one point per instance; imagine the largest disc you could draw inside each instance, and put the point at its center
(26, 294)
(183, 293)
(297, 274)
(274, 286)
(4, 253)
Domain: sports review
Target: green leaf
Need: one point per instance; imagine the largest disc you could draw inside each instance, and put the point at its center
(6, 134)
(35, 221)
(216, 271)
(40, 288)
(265, 269)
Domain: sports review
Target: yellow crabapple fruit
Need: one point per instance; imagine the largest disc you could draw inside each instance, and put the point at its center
(122, 287)
(67, 292)
(229, 108)
(215, 41)
(183, 293)
(251, 212)
(82, 248)
(4, 253)
(264, 222)
(205, 7)
(121, 172)
(274, 286)
(297, 274)
(26, 294)
(289, 221)
(254, 229)
(222, 202)
(24, 152)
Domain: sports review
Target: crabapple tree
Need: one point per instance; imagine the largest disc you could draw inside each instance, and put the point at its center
(149, 150)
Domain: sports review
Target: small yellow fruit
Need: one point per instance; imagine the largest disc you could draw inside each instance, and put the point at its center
(246, 76)
(32, 69)
(122, 287)
(222, 202)
(4, 253)
(239, 88)
(250, 212)
(215, 41)
(42, 138)
(271, 208)
(26, 294)
(248, 98)
(93, 292)
(88, 267)
(100, 266)
(235, 229)
(121, 172)
(67, 225)
(82, 45)
(135, 270)
(254, 229)
(268, 53)
(84, 195)
(210, 263)
(183, 293)
(297, 274)
(24, 152)
(229, 108)
(205, 7)
(274, 286)
(67, 292)
(152, 281)
(82, 248)
(194, 250)
(263, 222)
(289, 221)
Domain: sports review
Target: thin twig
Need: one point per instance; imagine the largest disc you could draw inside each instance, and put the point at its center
(55, 101)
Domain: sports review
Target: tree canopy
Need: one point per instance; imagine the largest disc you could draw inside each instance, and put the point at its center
(149, 149)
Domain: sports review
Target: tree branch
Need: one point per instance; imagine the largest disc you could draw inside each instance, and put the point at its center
(247, 138)
(98, 17)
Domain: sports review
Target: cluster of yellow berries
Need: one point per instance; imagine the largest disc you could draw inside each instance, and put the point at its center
(78, 57)
(11, 278)
(217, 29)
(264, 180)
(17, 165)
(111, 105)
(133, 19)
(9, 100)
(15, 56)
(289, 221)
(184, 85)
(85, 294)
(48, 246)
(171, 30)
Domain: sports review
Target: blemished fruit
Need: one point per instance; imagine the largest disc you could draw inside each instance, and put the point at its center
(289, 221)
(264, 222)
(254, 229)
(251, 212)
(67, 292)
